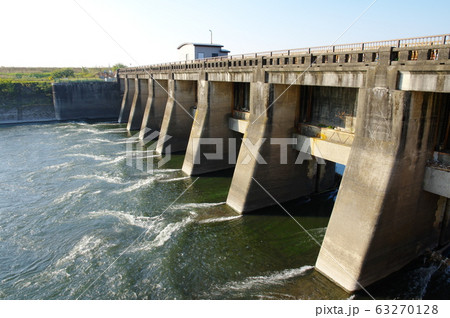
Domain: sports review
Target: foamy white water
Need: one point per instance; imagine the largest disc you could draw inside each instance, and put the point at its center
(85, 248)
(71, 195)
(174, 179)
(105, 178)
(84, 155)
(59, 166)
(126, 218)
(271, 279)
(187, 206)
(168, 231)
(140, 184)
(221, 219)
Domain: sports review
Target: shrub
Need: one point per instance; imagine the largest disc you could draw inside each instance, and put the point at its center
(14, 92)
(64, 73)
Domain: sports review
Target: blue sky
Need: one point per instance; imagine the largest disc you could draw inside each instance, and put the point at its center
(59, 33)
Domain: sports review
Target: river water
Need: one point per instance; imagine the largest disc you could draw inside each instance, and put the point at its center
(77, 222)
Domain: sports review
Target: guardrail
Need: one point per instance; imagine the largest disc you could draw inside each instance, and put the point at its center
(222, 61)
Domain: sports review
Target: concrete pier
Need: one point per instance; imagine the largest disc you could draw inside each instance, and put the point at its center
(127, 100)
(379, 198)
(155, 106)
(178, 116)
(210, 134)
(138, 105)
(273, 114)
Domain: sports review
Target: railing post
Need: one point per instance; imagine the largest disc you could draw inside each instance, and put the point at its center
(443, 40)
(398, 43)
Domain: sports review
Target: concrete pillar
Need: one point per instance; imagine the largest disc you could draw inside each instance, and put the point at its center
(154, 107)
(178, 116)
(138, 106)
(382, 218)
(127, 100)
(276, 169)
(215, 104)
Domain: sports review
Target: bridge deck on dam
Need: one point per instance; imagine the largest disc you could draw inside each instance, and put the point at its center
(339, 65)
(382, 109)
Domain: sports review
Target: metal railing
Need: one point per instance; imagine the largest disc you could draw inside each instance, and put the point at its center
(432, 40)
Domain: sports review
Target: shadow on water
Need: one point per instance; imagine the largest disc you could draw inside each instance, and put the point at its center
(316, 205)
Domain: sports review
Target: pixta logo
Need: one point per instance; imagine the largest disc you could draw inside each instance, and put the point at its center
(227, 149)
(140, 157)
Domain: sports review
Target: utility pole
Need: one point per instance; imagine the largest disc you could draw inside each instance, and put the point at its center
(211, 35)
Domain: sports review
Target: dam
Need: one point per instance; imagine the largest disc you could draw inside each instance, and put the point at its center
(283, 119)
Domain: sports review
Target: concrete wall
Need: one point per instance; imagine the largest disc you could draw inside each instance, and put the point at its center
(86, 100)
(122, 85)
(334, 106)
(29, 113)
(186, 53)
(437, 181)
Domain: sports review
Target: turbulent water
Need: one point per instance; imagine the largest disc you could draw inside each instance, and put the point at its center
(77, 222)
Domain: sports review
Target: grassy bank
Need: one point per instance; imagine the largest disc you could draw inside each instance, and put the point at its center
(51, 74)
(27, 86)
(25, 93)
